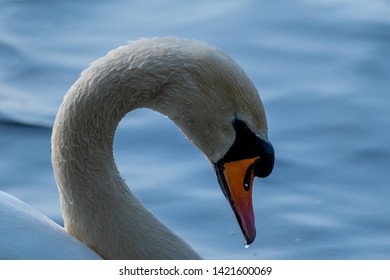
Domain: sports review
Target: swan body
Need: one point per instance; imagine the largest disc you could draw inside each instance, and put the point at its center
(27, 234)
(210, 99)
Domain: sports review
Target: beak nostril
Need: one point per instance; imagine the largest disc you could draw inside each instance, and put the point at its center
(249, 177)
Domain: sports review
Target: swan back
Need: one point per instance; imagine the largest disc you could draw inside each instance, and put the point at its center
(26, 233)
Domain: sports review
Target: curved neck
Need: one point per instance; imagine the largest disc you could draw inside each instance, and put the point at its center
(97, 206)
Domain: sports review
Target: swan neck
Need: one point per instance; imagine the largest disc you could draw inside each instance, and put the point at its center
(98, 207)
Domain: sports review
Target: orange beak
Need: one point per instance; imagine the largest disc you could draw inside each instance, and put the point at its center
(236, 180)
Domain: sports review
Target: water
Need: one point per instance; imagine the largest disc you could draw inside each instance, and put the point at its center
(322, 68)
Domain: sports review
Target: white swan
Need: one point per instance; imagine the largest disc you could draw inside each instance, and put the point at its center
(209, 98)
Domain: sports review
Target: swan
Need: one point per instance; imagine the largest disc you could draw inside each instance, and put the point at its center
(203, 91)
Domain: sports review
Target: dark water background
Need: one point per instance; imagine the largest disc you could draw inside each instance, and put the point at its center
(322, 69)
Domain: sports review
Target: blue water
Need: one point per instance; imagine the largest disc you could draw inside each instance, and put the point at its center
(323, 72)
